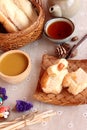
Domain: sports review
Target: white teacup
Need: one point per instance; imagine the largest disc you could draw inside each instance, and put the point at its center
(59, 30)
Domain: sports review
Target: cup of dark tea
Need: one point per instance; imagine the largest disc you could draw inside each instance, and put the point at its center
(59, 30)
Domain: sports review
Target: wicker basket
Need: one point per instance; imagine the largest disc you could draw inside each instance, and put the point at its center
(11, 41)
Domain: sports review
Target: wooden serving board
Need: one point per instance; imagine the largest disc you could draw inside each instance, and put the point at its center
(64, 98)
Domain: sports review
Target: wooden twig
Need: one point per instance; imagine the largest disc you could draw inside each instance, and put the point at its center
(75, 46)
(26, 120)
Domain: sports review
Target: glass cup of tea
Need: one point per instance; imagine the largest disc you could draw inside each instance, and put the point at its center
(59, 30)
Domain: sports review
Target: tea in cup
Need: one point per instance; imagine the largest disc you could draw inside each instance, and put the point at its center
(15, 66)
(59, 30)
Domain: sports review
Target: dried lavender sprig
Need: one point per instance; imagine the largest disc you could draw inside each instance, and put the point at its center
(22, 106)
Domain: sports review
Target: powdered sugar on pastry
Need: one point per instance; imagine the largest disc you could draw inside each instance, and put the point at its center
(55, 69)
(76, 81)
(51, 81)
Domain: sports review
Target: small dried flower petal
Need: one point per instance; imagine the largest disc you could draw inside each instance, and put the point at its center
(2, 90)
(3, 93)
(22, 106)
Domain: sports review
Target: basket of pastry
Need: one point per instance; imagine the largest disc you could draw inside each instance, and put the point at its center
(62, 82)
(21, 22)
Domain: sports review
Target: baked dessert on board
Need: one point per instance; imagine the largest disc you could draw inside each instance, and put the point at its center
(64, 97)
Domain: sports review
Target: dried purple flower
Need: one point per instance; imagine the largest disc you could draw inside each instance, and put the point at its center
(22, 106)
(3, 93)
(4, 97)
(2, 90)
